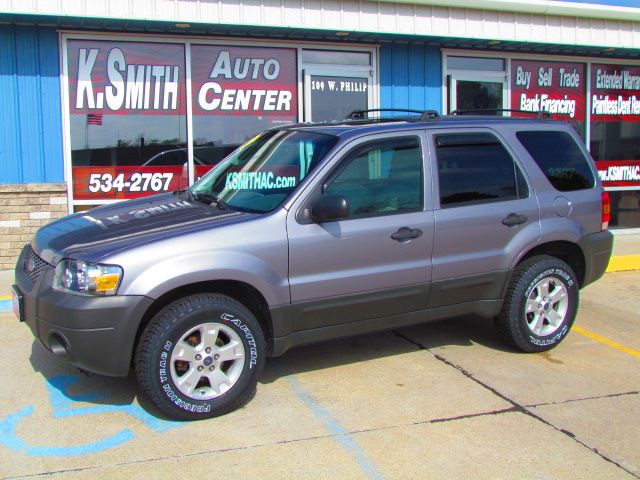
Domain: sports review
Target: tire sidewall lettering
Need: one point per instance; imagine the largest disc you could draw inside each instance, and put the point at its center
(244, 329)
(557, 273)
(540, 342)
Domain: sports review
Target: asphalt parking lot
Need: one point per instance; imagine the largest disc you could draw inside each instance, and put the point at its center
(444, 400)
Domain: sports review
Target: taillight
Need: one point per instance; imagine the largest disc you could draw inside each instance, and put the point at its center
(606, 210)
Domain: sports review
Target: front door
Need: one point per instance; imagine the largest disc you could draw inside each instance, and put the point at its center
(377, 261)
(333, 93)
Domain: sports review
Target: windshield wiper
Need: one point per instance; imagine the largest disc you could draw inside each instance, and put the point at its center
(208, 198)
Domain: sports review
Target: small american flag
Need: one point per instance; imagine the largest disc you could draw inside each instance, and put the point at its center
(94, 119)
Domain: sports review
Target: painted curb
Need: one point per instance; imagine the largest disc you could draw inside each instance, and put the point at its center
(624, 263)
(5, 304)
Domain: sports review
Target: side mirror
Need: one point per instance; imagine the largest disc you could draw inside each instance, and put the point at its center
(329, 208)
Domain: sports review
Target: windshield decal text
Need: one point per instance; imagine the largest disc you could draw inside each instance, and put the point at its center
(257, 181)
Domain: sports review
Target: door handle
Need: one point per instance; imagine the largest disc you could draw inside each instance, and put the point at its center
(513, 220)
(405, 234)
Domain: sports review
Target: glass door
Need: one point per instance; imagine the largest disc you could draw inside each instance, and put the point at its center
(477, 91)
(332, 93)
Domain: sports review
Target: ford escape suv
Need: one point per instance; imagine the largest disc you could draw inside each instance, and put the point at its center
(311, 232)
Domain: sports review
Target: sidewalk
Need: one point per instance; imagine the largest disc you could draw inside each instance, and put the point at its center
(626, 256)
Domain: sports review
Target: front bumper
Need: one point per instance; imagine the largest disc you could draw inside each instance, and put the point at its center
(96, 334)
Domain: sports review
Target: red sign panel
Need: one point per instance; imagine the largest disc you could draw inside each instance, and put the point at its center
(244, 81)
(615, 93)
(111, 183)
(619, 173)
(553, 87)
(125, 77)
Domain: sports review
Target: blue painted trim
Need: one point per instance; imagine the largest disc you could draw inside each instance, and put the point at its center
(410, 77)
(31, 111)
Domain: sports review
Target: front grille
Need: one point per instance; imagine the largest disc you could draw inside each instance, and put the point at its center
(33, 265)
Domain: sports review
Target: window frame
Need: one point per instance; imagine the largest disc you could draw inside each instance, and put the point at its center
(518, 168)
(342, 159)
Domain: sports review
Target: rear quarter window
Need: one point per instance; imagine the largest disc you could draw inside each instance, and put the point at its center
(560, 159)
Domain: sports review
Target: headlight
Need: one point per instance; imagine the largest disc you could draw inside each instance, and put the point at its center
(88, 278)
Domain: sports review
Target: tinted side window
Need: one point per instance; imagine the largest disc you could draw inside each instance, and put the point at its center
(476, 168)
(560, 158)
(381, 177)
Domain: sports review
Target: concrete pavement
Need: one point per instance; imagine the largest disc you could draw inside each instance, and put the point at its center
(443, 400)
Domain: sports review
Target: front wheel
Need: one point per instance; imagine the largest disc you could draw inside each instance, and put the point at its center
(540, 305)
(200, 357)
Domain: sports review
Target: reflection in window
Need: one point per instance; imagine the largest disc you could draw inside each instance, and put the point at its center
(127, 118)
(560, 158)
(381, 178)
(475, 63)
(475, 169)
(336, 57)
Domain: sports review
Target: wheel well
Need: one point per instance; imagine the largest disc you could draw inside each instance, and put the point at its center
(240, 291)
(565, 251)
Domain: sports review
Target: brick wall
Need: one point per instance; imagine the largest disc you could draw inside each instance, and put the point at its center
(23, 209)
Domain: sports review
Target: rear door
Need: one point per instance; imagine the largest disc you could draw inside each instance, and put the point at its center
(376, 262)
(486, 215)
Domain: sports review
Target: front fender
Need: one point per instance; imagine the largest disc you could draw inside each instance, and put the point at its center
(184, 269)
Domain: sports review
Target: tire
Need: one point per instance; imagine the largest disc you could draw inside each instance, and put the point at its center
(200, 357)
(540, 305)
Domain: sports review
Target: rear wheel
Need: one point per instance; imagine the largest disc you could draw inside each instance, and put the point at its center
(201, 356)
(540, 305)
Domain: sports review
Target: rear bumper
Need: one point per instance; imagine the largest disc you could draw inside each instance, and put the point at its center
(93, 333)
(597, 249)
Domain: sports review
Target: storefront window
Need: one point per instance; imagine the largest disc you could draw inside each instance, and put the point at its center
(615, 137)
(237, 92)
(127, 118)
(339, 57)
(557, 88)
(475, 63)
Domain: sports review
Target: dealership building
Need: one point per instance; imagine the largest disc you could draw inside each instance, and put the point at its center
(106, 100)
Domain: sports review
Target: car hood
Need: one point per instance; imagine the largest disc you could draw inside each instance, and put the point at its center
(104, 230)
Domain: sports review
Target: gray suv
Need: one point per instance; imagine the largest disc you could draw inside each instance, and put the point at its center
(312, 232)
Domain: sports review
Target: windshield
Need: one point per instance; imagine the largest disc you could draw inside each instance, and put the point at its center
(260, 174)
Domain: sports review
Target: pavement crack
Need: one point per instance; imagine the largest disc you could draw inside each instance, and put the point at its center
(515, 405)
(470, 415)
(572, 400)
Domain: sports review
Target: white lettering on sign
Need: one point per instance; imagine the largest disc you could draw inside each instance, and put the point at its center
(84, 89)
(212, 97)
(545, 77)
(609, 81)
(127, 86)
(341, 86)
(622, 173)
(215, 95)
(523, 77)
(631, 82)
(241, 67)
(603, 105)
(571, 80)
(543, 103)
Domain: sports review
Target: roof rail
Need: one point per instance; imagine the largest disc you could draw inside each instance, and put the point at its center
(485, 111)
(424, 114)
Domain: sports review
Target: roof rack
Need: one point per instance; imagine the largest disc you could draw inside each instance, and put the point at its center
(481, 111)
(424, 114)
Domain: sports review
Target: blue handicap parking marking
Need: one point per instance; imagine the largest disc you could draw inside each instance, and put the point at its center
(65, 404)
